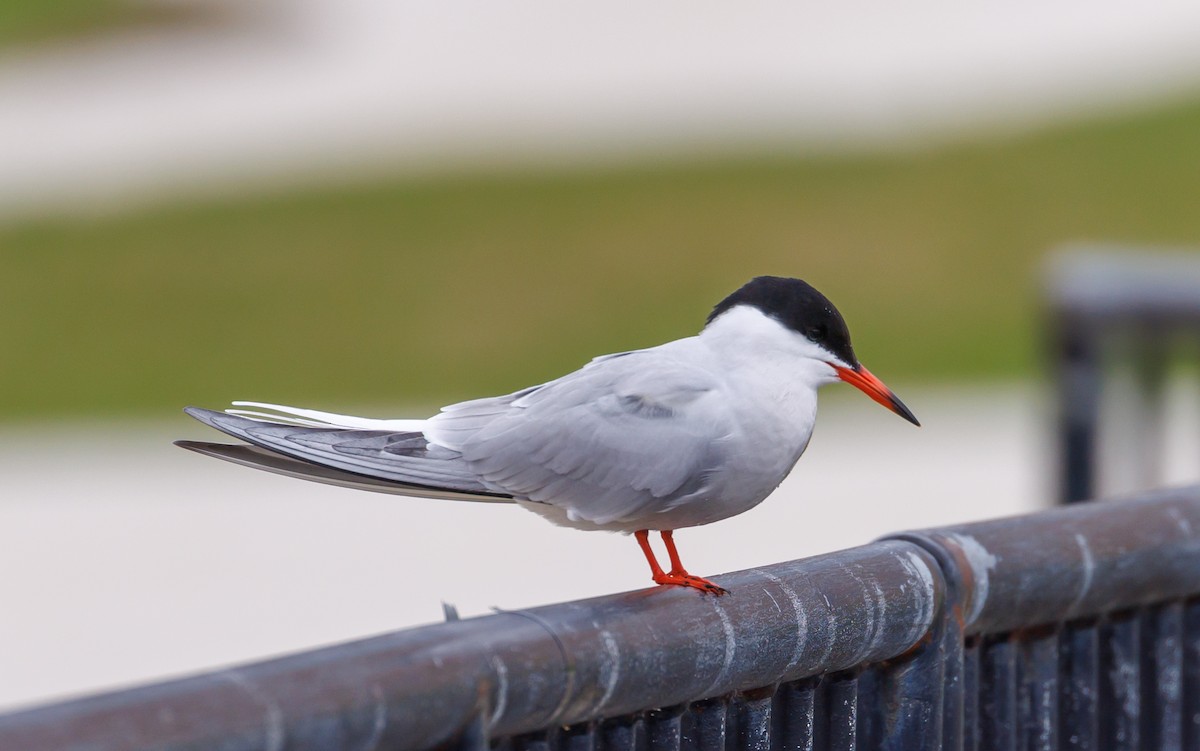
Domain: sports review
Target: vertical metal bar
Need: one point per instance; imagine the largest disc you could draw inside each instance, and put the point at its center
(580, 737)
(1120, 684)
(876, 705)
(970, 692)
(752, 711)
(843, 720)
(836, 713)
(950, 695)
(1078, 383)
(663, 731)
(539, 741)
(620, 734)
(703, 727)
(1079, 664)
(792, 716)
(902, 702)
(997, 696)
(1162, 677)
(1191, 674)
(1037, 691)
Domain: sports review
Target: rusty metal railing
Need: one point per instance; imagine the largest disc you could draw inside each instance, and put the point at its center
(1072, 628)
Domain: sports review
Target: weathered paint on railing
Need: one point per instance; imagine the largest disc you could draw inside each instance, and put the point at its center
(519, 671)
(1073, 628)
(1073, 562)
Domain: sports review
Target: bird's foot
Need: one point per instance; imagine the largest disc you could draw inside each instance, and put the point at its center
(684, 579)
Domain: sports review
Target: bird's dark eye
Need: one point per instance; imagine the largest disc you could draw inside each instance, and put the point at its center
(819, 332)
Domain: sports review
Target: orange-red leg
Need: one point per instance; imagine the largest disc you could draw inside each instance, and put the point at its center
(677, 575)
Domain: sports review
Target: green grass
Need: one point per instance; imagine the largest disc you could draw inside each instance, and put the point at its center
(422, 291)
(38, 21)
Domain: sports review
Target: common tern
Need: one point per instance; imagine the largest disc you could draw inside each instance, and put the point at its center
(686, 433)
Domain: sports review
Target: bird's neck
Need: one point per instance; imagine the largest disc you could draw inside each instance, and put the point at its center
(751, 344)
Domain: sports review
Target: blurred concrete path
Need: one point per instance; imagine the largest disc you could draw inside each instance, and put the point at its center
(290, 87)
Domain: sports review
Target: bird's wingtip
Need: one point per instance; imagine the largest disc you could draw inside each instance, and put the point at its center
(209, 417)
(196, 412)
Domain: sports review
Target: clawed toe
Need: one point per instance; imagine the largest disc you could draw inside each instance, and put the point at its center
(695, 582)
(677, 576)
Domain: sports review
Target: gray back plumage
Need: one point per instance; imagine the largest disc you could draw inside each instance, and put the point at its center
(603, 443)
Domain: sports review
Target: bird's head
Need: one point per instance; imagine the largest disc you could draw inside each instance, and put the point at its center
(817, 332)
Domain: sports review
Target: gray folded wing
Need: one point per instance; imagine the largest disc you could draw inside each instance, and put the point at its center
(625, 437)
(399, 457)
(619, 440)
(253, 456)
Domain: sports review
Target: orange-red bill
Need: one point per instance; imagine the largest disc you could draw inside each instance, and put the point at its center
(864, 381)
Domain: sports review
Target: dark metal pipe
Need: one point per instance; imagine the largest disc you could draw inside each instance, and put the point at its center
(1073, 562)
(1061, 629)
(520, 671)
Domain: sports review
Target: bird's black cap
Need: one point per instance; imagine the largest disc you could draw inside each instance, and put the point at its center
(797, 305)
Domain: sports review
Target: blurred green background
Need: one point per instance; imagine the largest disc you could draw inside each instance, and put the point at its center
(35, 22)
(372, 244)
(421, 291)
(25, 21)
(418, 291)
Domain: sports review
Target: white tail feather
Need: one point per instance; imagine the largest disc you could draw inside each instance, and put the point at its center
(276, 418)
(316, 418)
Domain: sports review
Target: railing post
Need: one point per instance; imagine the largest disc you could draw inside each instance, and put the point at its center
(1077, 362)
(932, 678)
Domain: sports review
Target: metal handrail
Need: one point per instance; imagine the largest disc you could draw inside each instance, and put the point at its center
(895, 628)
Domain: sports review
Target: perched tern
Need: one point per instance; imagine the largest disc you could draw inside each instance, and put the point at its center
(686, 433)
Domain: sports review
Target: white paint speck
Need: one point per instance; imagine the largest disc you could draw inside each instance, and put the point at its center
(380, 716)
(919, 569)
(1089, 570)
(981, 562)
(273, 719)
(801, 617)
(1180, 521)
(501, 688)
(730, 646)
(614, 667)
